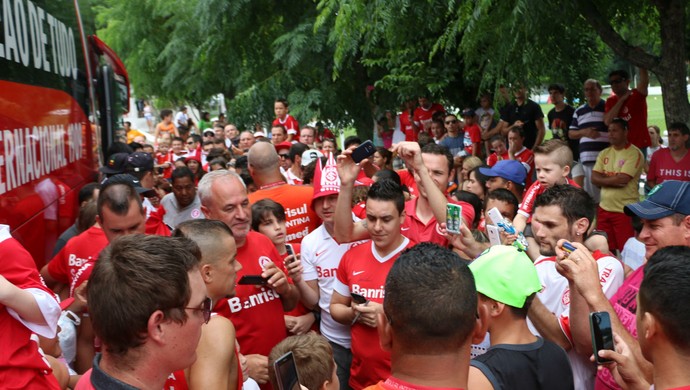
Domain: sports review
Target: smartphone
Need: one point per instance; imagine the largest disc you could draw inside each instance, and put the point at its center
(286, 372)
(253, 280)
(453, 218)
(495, 216)
(359, 299)
(363, 151)
(290, 252)
(602, 334)
(494, 235)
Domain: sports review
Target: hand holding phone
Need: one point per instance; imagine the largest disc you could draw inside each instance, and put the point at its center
(253, 280)
(360, 300)
(366, 149)
(286, 372)
(602, 334)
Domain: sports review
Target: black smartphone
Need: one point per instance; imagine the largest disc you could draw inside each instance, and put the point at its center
(290, 252)
(363, 151)
(602, 334)
(286, 372)
(359, 299)
(253, 280)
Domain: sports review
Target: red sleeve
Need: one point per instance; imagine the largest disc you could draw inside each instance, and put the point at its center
(57, 267)
(651, 173)
(343, 273)
(527, 205)
(21, 270)
(491, 161)
(475, 134)
(610, 102)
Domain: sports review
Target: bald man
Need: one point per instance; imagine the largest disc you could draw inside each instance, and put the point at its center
(264, 167)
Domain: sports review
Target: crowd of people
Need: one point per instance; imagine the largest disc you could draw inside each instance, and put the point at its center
(205, 255)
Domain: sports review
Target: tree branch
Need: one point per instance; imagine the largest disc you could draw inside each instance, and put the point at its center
(615, 41)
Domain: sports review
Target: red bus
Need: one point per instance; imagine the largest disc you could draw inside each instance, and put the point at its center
(62, 92)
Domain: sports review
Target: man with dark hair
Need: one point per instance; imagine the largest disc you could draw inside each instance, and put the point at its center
(432, 167)
(662, 317)
(183, 203)
(89, 192)
(567, 212)
(363, 270)
(630, 105)
(617, 172)
(672, 163)
(525, 113)
(147, 302)
(665, 218)
(454, 141)
(278, 134)
(560, 117)
(293, 175)
(429, 342)
(507, 282)
(217, 364)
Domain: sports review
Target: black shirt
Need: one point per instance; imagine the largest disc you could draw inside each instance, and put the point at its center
(529, 113)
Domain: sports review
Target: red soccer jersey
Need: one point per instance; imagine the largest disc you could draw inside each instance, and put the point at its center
(634, 111)
(364, 272)
(289, 122)
(21, 364)
(417, 231)
(664, 167)
(494, 158)
(407, 179)
(78, 251)
(423, 116)
(406, 127)
(474, 134)
(256, 311)
(165, 158)
(300, 218)
(526, 157)
(536, 189)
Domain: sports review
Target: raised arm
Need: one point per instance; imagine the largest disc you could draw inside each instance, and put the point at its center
(345, 230)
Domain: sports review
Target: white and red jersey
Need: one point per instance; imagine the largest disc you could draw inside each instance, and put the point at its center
(256, 311)
(289, 122)
(291, 178)
(363, 271)
(526, 157)
(537, 188)
(423, 116)
(22, 366)
(165, 158)
(321, 256)
(78, 251)
(555, 295)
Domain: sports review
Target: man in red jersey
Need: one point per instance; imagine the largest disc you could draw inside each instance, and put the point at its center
(255, 310)
(363, 270)
(630, 105)
(672, 163)
(423, 115)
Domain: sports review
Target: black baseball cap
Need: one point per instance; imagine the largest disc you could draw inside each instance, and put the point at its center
(115, 164)
(125, 178)
(139, 162)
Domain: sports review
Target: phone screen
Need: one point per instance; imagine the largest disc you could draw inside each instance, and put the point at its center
(286, 372)
(359, 299)
(602, 334)
(288, 247)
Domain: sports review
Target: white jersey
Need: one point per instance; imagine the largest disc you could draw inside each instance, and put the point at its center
(320, 255)
(555, 295)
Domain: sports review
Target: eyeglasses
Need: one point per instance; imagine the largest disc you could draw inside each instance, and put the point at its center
(284, 155)
(451, 121)
(616, 81)
(205, 308)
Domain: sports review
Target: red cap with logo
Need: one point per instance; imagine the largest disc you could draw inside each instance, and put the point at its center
(326, 179)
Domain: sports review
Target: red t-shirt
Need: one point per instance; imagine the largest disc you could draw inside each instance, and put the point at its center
(360, 210)
(634, 111)
(494, 158)
(165, 158)
(423, 116)
(256, 311)
(474, 134)
(397, 384)
(536, 189)
(78, 251)
(289, 122)
(406, 127)
(407, 179)
(364, 272)
(300, 219)
(526, 157)
(22, 365)
(417, 231)
(664, 167)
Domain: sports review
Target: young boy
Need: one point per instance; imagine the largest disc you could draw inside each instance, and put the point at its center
(164, 159)
(498, 145)
(473, 137)
(268, 218)
(313, 357)
(166, 126)
(280, 108)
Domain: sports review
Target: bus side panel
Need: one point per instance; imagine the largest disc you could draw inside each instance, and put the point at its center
(47, 152)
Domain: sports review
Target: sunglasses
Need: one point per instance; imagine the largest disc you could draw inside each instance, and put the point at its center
(616, 81)
(205, 308)
(451, 121)
(284, 155)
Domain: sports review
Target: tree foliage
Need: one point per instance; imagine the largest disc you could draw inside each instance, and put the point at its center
(321, 55)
